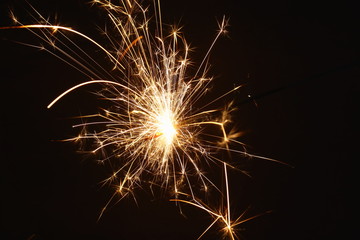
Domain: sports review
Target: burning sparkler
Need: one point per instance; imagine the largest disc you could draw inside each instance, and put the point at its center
(153, 129)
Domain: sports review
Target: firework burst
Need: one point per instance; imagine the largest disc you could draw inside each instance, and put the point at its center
(154, 131)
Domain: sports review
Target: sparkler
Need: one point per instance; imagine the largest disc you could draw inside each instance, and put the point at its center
(154, 131)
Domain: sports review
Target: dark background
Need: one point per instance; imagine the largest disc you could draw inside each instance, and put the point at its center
(300, 63)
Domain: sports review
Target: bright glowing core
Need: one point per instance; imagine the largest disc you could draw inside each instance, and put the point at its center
(166, 128)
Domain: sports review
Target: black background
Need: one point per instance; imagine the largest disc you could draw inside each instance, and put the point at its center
(300, 63)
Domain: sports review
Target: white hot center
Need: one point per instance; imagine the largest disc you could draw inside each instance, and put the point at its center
(166, 128)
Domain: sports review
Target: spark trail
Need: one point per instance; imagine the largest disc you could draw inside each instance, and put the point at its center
(155, 130)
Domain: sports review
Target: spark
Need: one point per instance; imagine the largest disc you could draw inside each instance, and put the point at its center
(222, 216)
(155, 127)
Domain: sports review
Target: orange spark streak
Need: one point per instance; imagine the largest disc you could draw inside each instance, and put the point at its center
(133, 43)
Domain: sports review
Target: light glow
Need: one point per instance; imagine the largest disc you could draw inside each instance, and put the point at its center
(153, 128)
